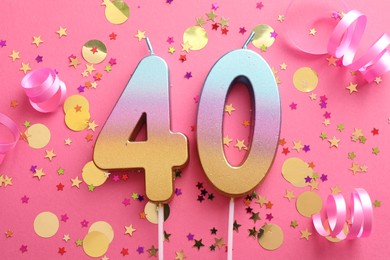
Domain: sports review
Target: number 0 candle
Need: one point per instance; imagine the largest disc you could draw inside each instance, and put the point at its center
(144, 100)
(238, 66)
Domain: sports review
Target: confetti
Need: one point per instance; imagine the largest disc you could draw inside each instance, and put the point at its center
(295, 170)
(305, 79)
(272, 237)
(46, 224)
(93, 175)
(38, 136)
(95, 244)
(308, 203)
(196, 37)
(117, 11)
(94, 51)
(263, 36)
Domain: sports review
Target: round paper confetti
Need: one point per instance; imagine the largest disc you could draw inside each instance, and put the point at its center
(117, 11)
(95, 244)
(77, 120)
(196, 37)
(92, 175)
(46, 224)
(305, 79)
(272, 238)
(263, 36)
(295, 170)
(38, 136)
(74, 101)
(151, 211)
(309, 203)
(103, 227)
(94, 51)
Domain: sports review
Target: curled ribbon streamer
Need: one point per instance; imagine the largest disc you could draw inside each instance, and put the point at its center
(344, 41)
(44, 89)
(11, 125)
(336, 210)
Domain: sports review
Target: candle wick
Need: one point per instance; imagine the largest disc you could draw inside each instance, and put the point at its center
(248, 40)
(149, 46)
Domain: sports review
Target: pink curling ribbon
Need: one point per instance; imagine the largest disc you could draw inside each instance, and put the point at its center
(360, 213)
(344, 42)
(44, 89)
(5, 147)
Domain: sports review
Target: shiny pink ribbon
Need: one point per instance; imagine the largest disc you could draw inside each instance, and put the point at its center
(344, 42)
(5, 147)
(336, 211)
(44, 89)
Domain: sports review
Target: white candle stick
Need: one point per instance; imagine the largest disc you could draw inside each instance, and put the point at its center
(160, 231)
(230, 229)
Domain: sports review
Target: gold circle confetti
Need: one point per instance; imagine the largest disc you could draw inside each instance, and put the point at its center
(151, 212)
(77, 120)
(117, 11)
(196, 37)
(94, 51)
(103, 227)
(38, 136)
(95, 244)
(92, 175)
(74, 101)
(46, 224)
(305, 79)
(308, 203)
(272, 238)
(262, 38)
(295, 170)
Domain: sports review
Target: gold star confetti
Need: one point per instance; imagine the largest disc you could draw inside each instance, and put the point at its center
(50, 154)
(229, 109)
(297, 146)
(293, 223)
(74, 62)
(37, 40)
(313, 96)
(335, 190)
(140, 35)
(305, 234)
(25, 67)
(89, 68)
(352, 88)
(129, 230)
(377, 203)
(39, 173)
(357, 134)
(68, 141)
(171, 50)
(280, 18)
(61, 32)
(283, 66)
(186, 46)
(92, 126)
(378, 80)
(334, 142)
(312, 31)
(5, 180)
(363, 168)
(355, 168)
(180, 255)
(224, 22)
(152, 251)
(289, 195)
(261, 200)
(219, 242)
(375, 150)
(14, 55)
(314, 185)
(76, 182)
(211, 16)
(227, 140)
(66, 237)
(240, 145)
(200, 21)
(326, 122)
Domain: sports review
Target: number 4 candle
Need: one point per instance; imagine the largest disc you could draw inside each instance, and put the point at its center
(144, 100)
(238, 66)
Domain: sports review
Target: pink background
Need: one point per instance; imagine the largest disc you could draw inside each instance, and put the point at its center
(85, 20)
